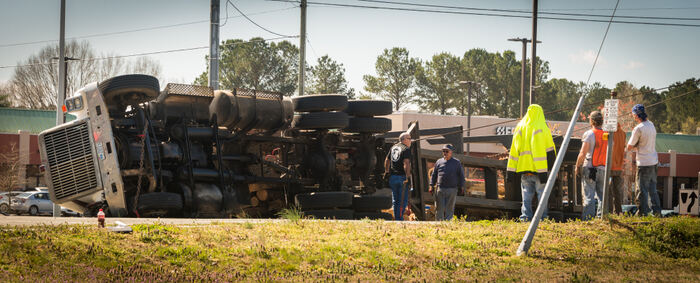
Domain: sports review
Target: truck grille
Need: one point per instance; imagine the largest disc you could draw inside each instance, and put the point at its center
(70, 160)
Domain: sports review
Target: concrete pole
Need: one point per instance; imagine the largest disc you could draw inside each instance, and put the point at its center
(542, 204)
(60, 118)
(533, 66)
(302, 48)
(214, 45)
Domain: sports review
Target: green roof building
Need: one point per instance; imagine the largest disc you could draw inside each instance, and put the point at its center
(32, 120)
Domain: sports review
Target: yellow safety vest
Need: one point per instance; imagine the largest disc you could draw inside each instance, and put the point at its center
(531, 142)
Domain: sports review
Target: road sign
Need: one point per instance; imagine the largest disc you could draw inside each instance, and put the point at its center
(689, 202)
(610, 115)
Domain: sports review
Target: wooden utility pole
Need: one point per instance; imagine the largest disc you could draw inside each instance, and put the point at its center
(523, 66)
(214, 45)
(533, 66)
(302, 47)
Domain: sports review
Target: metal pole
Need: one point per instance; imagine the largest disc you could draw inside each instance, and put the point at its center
(214, 45)
(469, 113)
(302, 47)
(60, 118)
(542, 203)
(533, 66)
(523, 65)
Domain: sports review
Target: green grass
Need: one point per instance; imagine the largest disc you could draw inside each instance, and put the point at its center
(619, 249)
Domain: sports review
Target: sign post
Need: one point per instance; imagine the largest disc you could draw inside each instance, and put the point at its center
(610, 126)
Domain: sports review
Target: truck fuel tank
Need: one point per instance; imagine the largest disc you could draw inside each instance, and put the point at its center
(251, 110)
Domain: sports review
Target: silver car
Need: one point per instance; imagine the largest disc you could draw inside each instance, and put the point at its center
(34, 203)
(5, 200)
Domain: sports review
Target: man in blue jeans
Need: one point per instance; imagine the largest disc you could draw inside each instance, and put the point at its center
(643, 140)
(448, 174)
(398, 165)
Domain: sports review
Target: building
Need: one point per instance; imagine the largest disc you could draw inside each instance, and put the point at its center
(19, 146)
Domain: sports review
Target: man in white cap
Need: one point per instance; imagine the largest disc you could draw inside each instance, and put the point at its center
(448, 174)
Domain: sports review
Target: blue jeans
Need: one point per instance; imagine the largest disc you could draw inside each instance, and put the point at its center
(530, 184)
(445, 199)
(646, 188)
(592, 192)
(399, 195)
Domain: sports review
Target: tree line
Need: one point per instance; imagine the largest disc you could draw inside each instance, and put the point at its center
(432, 84)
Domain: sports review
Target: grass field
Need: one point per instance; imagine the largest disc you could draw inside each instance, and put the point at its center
(618, 250)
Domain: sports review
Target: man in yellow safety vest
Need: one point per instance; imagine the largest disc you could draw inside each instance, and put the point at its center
(532, 155)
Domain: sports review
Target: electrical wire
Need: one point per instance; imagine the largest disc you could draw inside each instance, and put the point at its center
(490, 14)
(256, 24)
(139, 29)
(556, 111)
(526, 11)
(600, 48)
(154, 52)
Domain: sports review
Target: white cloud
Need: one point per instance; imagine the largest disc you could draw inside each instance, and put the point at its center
(585, 57)
(631, 65)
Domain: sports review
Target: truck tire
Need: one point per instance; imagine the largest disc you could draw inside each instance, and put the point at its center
(345, 214)
(129, 89)
(369, 108)
(320, 120)
(319, 200)
(374, 215)
(159, 204)
(320, 102)
(368, 125)
(370, 203)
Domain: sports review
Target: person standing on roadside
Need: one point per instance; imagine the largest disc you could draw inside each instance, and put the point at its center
(531, 155)
(592, 157)
(448, 175)
(397, 165)
(614, 200)
(643, 140)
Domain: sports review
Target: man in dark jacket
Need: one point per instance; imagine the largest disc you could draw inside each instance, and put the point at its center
(448, 174)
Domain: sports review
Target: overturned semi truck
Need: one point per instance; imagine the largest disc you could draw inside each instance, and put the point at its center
(189, 151)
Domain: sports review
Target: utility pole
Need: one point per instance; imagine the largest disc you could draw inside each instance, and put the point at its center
(214, 45)
(523, 66)
(60, 118)
(533, 66)
(302, 47)
(469, 85)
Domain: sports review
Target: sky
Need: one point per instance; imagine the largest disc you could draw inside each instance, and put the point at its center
(650, 55)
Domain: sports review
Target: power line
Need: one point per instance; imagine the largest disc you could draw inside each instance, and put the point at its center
(243, 14)
(600, 48)
(524, 11)
(490, 14)
(561, 110)
(139, 29)
(153, 53)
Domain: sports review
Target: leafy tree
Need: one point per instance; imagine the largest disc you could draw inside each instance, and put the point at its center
(328, 76)
(35, 84)
(437, 83)
(685, 107)
(395, 76)
(257, 64)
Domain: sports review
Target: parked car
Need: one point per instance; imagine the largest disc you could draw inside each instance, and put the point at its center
(34, 203)
(5, 201)
(65, 212)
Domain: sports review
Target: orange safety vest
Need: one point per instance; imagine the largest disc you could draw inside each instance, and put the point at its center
(600, 151)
